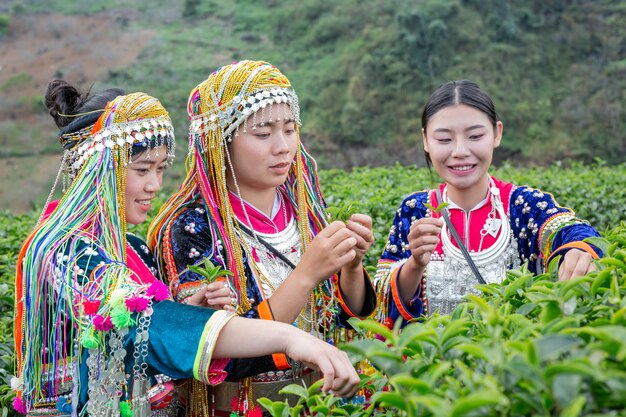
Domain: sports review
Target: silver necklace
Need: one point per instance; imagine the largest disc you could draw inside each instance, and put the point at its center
(449, 278)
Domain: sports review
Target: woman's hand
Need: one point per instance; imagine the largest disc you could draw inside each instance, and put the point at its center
(340, 377)
(423, 239)
(575, 263)
(270, 337)
(216, 295)
(361, 227)
(328, 252)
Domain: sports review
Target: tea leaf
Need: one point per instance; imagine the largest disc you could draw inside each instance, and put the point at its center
(552, 345)
(376, 328)
(613, 262)
(575, 407)
(526, 309)
(454, 329)
(295, 389)
(209, 271)
(573, 367)
(321, 409)
(531, 354)
(599, 242)
(199, 270)
(551, 310)
(515, 286)
(295, 411)
(437, 209)
(476, 401)
(602, 280)
(278, 408)
(474, 350)
(343, 212)
(315, 387)
(433, 403)
(411, 383)
(390, 399)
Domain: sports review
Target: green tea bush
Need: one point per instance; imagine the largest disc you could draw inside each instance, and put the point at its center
(531, 346)
(13, 231)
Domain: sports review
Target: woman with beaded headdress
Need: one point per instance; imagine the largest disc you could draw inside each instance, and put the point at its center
(95, 331)
(251, 204)
(498, 226)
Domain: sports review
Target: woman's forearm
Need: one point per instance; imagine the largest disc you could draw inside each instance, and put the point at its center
(409, 280)
(290, 297)
(246, 338)
(352, 283)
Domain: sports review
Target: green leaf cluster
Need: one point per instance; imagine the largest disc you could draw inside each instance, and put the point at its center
(342, 212)
(209, 271)
(531, 346)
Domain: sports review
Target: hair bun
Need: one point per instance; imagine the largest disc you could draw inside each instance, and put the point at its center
(62, 98)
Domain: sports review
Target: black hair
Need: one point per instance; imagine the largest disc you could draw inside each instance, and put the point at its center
(63, 99)
(458, 92)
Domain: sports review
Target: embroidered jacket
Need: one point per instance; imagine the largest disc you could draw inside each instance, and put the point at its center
(189, 239)
(539, 230)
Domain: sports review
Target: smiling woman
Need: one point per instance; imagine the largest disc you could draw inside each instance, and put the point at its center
(433, 258)
(144, 179)
(85, 288)
(460, 141)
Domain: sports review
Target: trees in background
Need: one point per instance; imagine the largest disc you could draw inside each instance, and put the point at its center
(557, 71)
(364, 68)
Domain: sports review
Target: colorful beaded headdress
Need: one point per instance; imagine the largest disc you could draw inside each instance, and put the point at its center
(153, 132)
(218, 108)
(60, 310)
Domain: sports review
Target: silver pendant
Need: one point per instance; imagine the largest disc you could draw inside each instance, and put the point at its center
(493, 226)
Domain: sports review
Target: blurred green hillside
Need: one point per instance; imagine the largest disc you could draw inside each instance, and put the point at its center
(363, 69)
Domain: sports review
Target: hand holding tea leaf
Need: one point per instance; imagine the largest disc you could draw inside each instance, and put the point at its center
(359, 224)
(423, 238)
(214, 293)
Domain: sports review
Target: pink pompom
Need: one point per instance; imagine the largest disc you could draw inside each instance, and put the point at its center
(254, 412)
(19, 405)
(91, 307)
(237, 406)
(104, 324)
(137, 303)
(159, 291)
